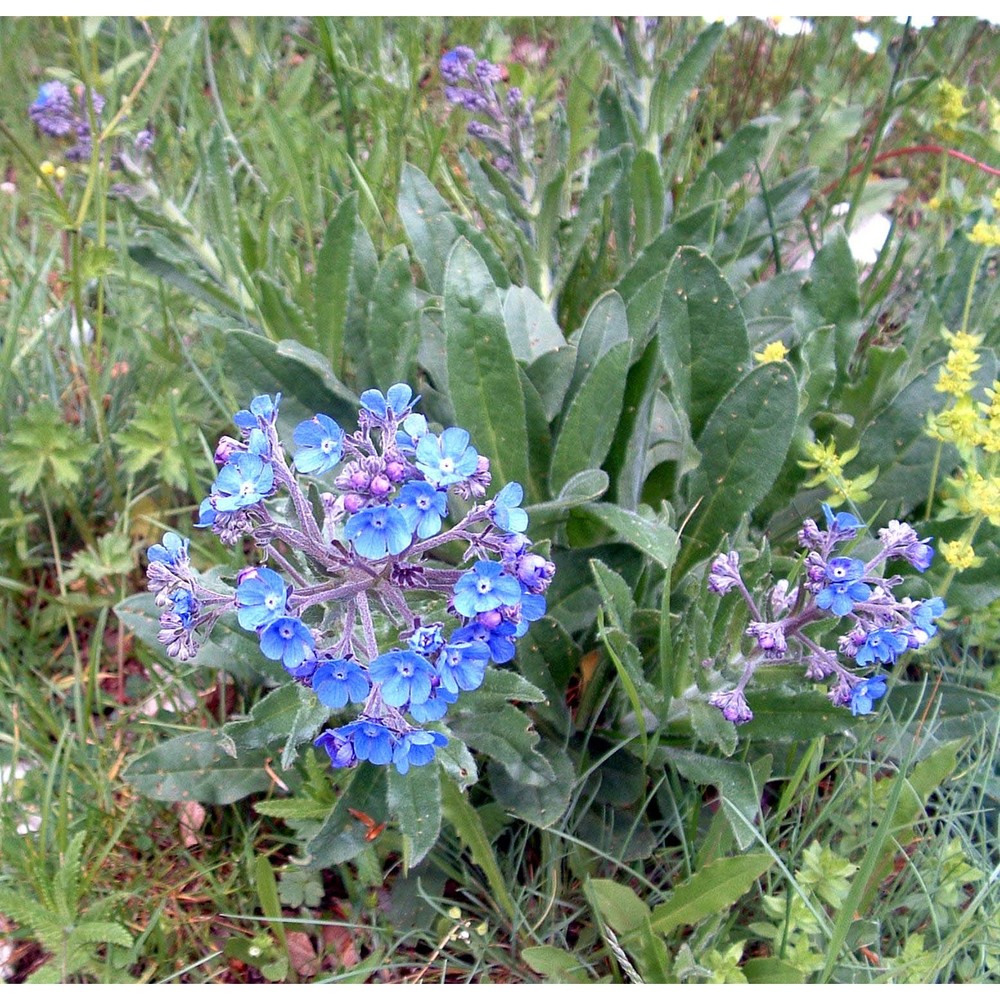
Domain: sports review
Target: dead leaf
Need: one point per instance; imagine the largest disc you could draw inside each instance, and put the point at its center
(191, 816)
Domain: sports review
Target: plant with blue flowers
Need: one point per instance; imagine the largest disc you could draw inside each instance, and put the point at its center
(328, 570)
(857, 592)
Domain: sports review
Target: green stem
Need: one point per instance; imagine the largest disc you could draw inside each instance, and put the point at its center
(883, 120)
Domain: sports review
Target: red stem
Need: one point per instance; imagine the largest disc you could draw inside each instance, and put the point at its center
(926, 148)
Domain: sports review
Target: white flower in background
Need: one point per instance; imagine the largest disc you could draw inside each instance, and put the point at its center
(6, 954)
(868, 237)
(917, 21)
(867, 41)
(789, 27)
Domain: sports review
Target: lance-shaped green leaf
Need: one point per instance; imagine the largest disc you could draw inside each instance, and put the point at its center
(433, 229)
(702, 335)
(646, 183)
(342, 836)
(833, 291)
(483, 377)
(204, 766)
(656, 538)
(392, 327)
(739, 784)
(332, 281)
(603, 177)
(605, 327)
(671, 89)
(743, 448)
(254, 365)
(541, 805)
(588, 428)
(729, 165)
(710, 891)
(414, 801)
(530, 327)
(285, 718)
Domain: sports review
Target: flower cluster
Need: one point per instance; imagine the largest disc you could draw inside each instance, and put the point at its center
(973, 427)
(880, 627)
(61, 114)
(396, 483)
(504, 120)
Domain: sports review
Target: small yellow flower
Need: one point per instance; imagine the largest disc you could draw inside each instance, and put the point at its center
(47, 168)
(985, 234)
(775, 351)
(60, 173)
(960, 554)
(949, 103)
(934, 204)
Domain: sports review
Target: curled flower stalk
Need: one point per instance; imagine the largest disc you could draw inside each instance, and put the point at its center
(341, 576)
(878, 626)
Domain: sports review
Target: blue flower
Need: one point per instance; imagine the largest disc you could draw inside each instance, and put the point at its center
(405, 677)
(394, 403)
(340, 748)
(483, 588)
(447, 459)
(263, 412)
(925, 613)
(372, 741)
(426, 639)
(260, 598)
(244, 481)
(436, 705)
(881, 645)
(843, 525)
(866, 693)
(416, 748)
(321, 443)
(287, 640)
(206, 514)
(336, 682)
(422, 507)
(493, 629)
(377, 531)
(462, 665)
(507, 514)
(173, 551)
(530, 608)
(409, 435)
(844, 585)
(185, 606)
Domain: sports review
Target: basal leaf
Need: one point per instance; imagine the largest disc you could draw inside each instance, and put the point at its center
(710, 891)
(414, 801)
(483, 376)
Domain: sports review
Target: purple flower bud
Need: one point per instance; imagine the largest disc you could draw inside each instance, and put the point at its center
(770, 638)
(226, 448)
(359, 480)
(145, 139)
(810, 536)
(396, 471)
(353, 503)
(380, 485)
(725, 573)
(491, 619)
(733, 705)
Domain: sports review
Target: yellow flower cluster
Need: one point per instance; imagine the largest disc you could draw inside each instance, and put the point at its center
(985, 234)
(949, 106)
(959, 554)
(956, 377)
(829, 468)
